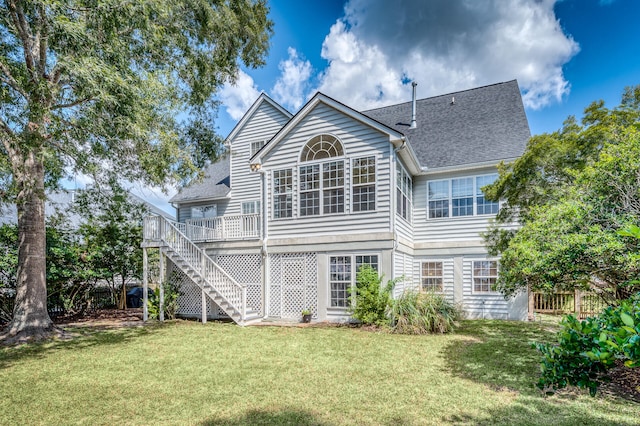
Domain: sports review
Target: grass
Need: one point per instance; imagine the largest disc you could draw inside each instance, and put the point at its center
(220, 374)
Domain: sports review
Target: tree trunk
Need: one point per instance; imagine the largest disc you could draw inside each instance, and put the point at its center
(31, 320)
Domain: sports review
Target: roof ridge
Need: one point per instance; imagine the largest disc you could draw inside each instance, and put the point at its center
(442, 95)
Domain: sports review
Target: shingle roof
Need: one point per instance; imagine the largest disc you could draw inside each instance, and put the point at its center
(214, 185)
(482, 124)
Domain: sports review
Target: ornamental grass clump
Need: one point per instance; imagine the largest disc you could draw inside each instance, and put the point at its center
(423, 313)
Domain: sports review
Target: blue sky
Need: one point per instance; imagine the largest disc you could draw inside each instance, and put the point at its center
(565, 54)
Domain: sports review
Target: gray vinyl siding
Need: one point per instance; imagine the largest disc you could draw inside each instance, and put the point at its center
(403, 273)
(245, 185)
(488, 305)
(358, 140)
(466, 228)
(404, 228)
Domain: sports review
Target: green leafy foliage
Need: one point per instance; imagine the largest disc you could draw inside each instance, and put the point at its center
(171, 295)
(112, 231)
(8, 269)
(370, 299)
(115, 91)
(586, 349)
(572, 191)
(423, 313)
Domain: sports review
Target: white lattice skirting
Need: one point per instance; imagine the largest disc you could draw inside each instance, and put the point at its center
(245, 269)
(293, 284)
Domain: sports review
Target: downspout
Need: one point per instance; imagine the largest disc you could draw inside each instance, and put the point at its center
(394, 200)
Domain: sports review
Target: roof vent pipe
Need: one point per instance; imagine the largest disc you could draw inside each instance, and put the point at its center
(413, 106)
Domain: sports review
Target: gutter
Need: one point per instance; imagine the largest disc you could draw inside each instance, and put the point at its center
(424, 171)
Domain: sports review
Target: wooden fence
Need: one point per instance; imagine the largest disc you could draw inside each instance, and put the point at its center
(581, 304)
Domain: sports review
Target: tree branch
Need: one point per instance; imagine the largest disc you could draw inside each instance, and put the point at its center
(43, 37)
(20, 22)
(8, 79)
(71, 104)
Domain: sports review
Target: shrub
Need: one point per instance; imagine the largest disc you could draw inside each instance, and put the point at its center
(423, 313)
(369, 301)
(171, 294)
(587, 349)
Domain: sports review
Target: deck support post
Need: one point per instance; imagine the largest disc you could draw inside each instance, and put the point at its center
(204, 307)
(161, 288)
(531, 309)
(145, 285)
(203, 271)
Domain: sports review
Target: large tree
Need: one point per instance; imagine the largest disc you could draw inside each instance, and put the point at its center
(572, 191)
(112, 89)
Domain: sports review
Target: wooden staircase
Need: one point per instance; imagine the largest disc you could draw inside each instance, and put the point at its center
(216, 284)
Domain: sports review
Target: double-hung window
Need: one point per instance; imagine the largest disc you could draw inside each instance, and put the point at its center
(251, 207)
(310, 190)
(432, 277)
(282, 193)
(404, 192)
(363, 172)
(460, 197)
(485, 275)
(333, 187)
(255, 147)
(342, 276)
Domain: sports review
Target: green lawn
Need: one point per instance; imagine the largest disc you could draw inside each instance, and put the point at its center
(188, 373)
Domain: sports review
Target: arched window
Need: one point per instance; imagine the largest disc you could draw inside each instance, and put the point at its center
(321, 177)
(321, 147)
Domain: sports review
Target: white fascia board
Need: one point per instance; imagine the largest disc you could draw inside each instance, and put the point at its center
(410, 160)
(240, 124)
(394, 135)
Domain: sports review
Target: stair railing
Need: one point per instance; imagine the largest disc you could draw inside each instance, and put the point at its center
(229, 289)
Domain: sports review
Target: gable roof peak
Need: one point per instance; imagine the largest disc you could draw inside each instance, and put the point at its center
(262, 98)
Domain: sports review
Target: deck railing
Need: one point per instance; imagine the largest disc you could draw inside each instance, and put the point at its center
(581, 304)
(246, 226)
(223, 227)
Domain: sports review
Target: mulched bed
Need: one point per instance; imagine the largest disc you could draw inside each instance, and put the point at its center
(102, 317)
(625, 383)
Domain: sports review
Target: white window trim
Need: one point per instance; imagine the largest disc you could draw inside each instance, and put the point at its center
(403, 171)
(253, 152)
(256, 206)
(375, 192)
(450, 199)
(273, 194)
(481, 259)
(354, 273)
(444, 262)
(192, 208)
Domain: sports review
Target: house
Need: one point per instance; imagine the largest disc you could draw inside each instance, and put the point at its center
(301, 201)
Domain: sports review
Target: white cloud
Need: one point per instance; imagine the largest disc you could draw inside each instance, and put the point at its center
(290, 87)
(445, 45)
(239, 96)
